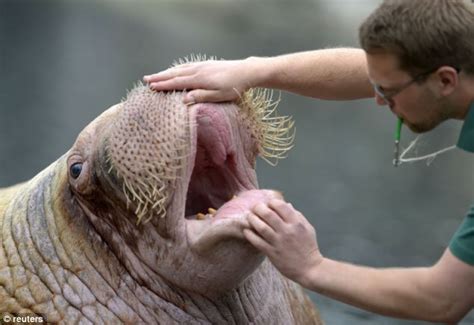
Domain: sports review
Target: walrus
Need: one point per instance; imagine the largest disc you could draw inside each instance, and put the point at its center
(140, 221)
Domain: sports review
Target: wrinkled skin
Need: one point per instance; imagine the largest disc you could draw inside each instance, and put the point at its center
(72, 250)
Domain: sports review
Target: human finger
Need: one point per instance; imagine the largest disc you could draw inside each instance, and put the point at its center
(170, 73)
(160, 76)
(256, 240)
(176, 83)
(284, 209)
(269, 216)
(261, 228)
(214, 96)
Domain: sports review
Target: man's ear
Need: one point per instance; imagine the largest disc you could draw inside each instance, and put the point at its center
(446, 80)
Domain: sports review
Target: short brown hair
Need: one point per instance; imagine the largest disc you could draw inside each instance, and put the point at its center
(423, 34)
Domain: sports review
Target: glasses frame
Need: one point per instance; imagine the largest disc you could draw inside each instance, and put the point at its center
(387, 95)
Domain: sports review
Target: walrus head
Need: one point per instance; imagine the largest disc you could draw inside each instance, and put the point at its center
(145, 173)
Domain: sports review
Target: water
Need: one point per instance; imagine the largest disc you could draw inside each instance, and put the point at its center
(64, 62)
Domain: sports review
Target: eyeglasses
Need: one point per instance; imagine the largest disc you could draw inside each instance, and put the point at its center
(387, 95)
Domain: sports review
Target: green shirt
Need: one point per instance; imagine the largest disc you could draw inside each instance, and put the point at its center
(462, 243)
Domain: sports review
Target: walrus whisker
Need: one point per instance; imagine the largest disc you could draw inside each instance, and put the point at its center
(148, 219)
(273, 133)
(155, 205)
(273, 164)
(135, 195)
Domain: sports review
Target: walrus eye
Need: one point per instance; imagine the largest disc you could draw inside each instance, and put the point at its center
(76, 170)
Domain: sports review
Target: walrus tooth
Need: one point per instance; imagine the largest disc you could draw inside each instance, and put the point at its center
(211, 211)
(200, 216)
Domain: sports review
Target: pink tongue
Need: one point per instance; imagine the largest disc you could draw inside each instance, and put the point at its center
(244, 201)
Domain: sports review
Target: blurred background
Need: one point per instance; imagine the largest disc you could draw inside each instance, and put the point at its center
(63, 62)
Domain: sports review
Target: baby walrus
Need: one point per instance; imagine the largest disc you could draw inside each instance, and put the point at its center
(140, 222)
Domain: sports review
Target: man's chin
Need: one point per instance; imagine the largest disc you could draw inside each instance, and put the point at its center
(416, 128)
(421, 128)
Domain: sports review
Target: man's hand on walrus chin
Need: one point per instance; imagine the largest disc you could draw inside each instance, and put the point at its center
(284, 235)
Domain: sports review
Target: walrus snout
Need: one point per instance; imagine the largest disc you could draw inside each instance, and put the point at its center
(147, 148)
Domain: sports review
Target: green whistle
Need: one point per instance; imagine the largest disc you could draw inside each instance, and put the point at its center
(396, 152)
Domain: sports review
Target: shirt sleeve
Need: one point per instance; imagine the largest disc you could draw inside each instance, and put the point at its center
(462, 243)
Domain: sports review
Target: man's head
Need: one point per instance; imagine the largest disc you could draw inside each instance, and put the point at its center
(418, 53)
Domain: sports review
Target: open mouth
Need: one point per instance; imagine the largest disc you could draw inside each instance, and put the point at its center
(218, 175)
(223, 185)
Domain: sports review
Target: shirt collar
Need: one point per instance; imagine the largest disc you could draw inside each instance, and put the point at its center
(466, 137)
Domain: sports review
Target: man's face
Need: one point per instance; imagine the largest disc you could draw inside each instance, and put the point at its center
(415, 103)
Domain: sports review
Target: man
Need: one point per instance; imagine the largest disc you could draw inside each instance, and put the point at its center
(417, 58)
